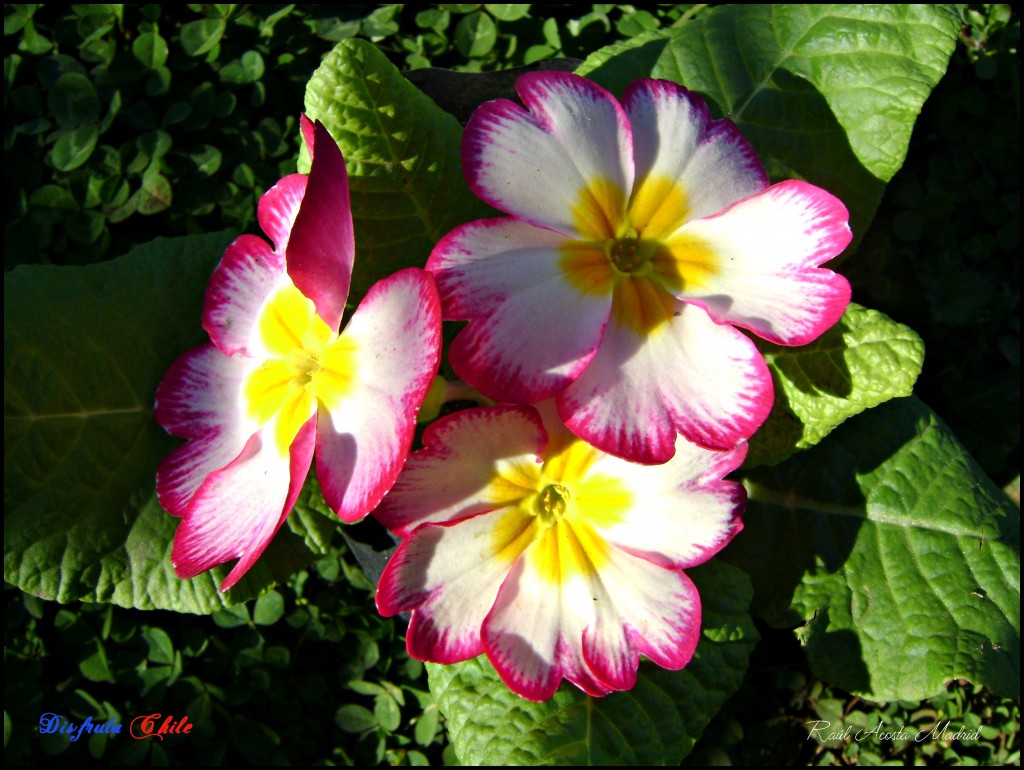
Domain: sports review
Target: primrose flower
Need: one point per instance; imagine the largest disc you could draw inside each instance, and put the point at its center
(278, 379)
(642, 235)
(552, 557)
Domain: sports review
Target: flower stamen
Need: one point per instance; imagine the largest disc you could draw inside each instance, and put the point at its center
(552, 503)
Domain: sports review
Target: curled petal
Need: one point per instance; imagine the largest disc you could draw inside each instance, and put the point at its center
(705, 381)
(321, 245)
(363, 438)
(568, 151)
(772, 244)
(239, 508)
(532, 329)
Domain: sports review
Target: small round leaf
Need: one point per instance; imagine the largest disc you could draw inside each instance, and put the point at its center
(476, 35)
(269, 609)
(150, 49)
(353, 718)
(74, 146)
(73, 100)
(508, 11)
(199, 37)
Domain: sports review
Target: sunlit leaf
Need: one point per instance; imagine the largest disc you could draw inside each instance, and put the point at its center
(897, 551)
(862, 361)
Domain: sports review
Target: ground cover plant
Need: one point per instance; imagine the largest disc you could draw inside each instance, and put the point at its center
(875, 587)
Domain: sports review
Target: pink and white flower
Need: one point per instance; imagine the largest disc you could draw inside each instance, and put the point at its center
(278, 380)
(555, 559)
(643, 234)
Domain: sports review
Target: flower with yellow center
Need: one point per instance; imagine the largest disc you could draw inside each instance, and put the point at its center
(279, 381)
(555, 559)
(642, 234)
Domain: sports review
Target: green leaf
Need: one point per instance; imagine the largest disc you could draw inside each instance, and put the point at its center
(161, 648)
(508, 11)
(381, 23)
(73, 100)
(353, 718)
(403, 159)
(84, 350)
(387, 712)
(636, 23)
(96, 666)
(475, 35)
(655, 723)
(427, 725)
(150, 49)
(155, 194)
(74, 146)
(826, 93)
(247, 69)
(51, 204)
(862, 361)
(269, 609)
(897, 551)
(232, 617)
(200, 36)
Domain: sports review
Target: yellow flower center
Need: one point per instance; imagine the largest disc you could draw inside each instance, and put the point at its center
(557, 508)
(633, 250)
(308, 366)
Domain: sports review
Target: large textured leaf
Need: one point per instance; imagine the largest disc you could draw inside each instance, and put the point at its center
(84, 349)
(828, 93)
(897, 551)
(403, 157)
(862, 361)
(657, 722)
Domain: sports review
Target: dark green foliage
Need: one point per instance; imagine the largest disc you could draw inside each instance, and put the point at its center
(267, 683)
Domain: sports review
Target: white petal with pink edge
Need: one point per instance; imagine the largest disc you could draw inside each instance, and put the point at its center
(531, 331)
(363, 441)
(321, 244)
(199, 399)
(239, 508)
(466, 450)
(535, 163)
(690, 376)
(768, 248)
(675, 139)
(247, 275)
(278, 208)
(449, 576)
(533, 635)
(688, 513)
(657, 610)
